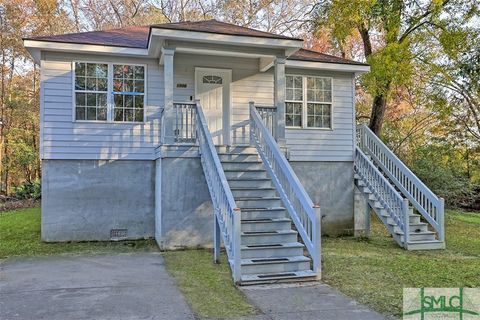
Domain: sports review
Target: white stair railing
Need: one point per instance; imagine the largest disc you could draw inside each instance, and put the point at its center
(422, 198)
(184, 127)
(227, 214)
(394, 204)
(304, 214)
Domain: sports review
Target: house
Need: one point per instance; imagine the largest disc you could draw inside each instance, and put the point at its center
(198, 133)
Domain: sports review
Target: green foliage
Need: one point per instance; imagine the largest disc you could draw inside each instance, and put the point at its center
(28, 190)
(444, 169)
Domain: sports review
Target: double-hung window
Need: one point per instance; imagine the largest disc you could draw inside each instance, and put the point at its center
(308, 102)
(109, 92)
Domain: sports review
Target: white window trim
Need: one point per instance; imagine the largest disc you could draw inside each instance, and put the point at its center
(110, 92)
(305, 101)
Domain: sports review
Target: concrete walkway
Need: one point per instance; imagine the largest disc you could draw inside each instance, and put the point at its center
(307, 301)
(101, 287)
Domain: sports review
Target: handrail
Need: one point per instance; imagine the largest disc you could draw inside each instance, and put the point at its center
(226, 211)
(269, 117)
(395, 205)
(422, 198)
(300, 207)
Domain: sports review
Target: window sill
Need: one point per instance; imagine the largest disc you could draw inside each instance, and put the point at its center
(308, 128)
(108, 122)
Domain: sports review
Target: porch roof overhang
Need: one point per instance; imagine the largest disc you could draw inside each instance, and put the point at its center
(328, 66)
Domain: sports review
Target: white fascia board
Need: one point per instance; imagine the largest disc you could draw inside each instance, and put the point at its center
(226, 39)
(33, 45)
(342, 67)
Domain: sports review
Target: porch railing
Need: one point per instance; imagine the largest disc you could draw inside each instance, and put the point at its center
(422, 198)
(227, 214)
(395, 205)
(300, 207)
(184, 129)
(269, 117)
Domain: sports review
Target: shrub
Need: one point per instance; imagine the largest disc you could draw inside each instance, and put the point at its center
(28, 190)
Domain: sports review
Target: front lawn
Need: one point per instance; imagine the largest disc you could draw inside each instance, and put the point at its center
(20, 236)
(374, 271)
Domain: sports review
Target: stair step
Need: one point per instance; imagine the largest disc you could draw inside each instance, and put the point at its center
(239, 157)
(290, 249)
(253, 191)
(263, 213)
(426, 245)
(239, 166)
(236, 149)
(421, 227)
(250, 279)
(246, 174)
(258, 202)
(427, 235)
(275, 265)
(266, 224)
(260, 182)
(268, 237)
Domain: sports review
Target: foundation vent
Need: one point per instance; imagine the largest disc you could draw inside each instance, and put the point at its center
(118, 234)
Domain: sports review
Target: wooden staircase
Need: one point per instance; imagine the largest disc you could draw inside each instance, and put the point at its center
(270, 247)
(413, 215)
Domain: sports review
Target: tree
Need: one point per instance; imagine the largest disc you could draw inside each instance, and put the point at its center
(388, 31)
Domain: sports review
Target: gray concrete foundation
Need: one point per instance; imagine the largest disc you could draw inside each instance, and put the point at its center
(186, 208)
(330, 184)
(86, 199)
(361, 214)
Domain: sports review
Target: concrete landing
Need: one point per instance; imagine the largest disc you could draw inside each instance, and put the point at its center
(307, 301)
(101, 286)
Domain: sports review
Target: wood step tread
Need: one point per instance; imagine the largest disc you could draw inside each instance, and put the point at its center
(263, 209)
(417, 233)
(308, 275)
(268, 220)
(252, 188)
(424, 241)
(244, 170)
(276, 260)
(248, 179)
(273, 246)
(267, 233)
(256, 198)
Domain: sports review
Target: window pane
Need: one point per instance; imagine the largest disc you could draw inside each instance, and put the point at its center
(289, 94)
(79, 83)
(327, 96)
(118, 100)
(298, 82)
(80, 113)
(91, 70)
(102, 84)
(79, 69)
(92, 113)
(102, 114)
(139, 86)
(118, 114)
(326, 122)
(117, 85)
(128, 85)
(101, 70)
(289, 81)
(327, 84)
(293, 114)
(80, 99)
(298, 95)
(91, 99)
(128, 101)
(138, 102)
(139, 72)
(90, 84)
(311, 121)
(117, 71)
(101, 99)
(128, 114)
(139, 115)
(129, 72)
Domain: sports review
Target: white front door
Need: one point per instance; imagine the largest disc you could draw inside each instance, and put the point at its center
(212, 88)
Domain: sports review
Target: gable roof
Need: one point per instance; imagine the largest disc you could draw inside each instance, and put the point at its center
(138, 37)
(219, 27)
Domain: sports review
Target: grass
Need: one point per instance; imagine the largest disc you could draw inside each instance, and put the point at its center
(207, 287)
(374, 271)
(20, 236)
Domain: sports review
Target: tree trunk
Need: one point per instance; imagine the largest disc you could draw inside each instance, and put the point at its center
(378, 113)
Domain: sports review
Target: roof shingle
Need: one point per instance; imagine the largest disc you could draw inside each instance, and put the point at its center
(138, 37)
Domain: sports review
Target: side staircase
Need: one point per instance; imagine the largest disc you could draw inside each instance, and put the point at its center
(270, 248)
(412, 213)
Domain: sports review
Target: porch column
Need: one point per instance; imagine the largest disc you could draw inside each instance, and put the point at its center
(279, 99)
(169, 113)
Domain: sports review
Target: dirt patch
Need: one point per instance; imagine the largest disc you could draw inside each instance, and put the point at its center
(8, 204)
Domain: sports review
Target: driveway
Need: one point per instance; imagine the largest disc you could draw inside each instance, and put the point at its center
(98, 286)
